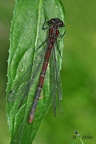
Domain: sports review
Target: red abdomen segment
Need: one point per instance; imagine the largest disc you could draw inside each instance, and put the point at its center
(40, 84)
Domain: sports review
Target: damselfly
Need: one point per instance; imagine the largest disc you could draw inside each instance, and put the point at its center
(53, 25)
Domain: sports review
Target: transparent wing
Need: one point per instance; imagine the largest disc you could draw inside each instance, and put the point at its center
(58, 79)
(35, 73)
(55, 81)
(25, 88)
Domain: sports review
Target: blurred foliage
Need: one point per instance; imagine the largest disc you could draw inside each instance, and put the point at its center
(78, 76)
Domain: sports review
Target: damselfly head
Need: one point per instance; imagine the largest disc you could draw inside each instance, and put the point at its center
(56, 21)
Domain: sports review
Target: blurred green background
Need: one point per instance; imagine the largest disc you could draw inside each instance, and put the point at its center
(78, 76)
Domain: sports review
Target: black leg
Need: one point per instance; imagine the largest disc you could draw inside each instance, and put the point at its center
(43, 28)
(58, 50)
(41, 45)
(62, 34)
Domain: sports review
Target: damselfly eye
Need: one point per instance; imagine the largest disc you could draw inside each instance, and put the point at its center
(61, 24)
(52, 21)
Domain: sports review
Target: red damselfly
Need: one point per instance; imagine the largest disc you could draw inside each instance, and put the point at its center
(53, 25)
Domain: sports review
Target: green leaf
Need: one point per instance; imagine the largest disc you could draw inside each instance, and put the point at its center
(25, 37)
